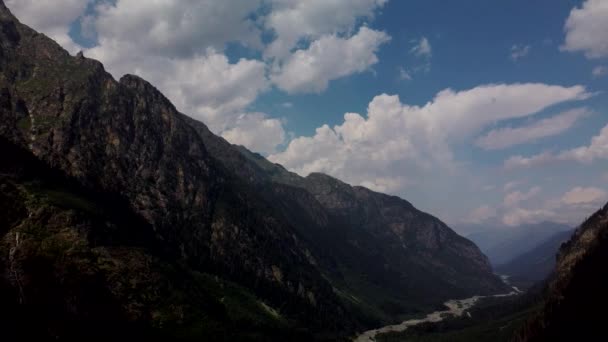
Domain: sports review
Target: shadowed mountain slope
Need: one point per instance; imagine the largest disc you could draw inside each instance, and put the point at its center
(318, 252)
(576, 297)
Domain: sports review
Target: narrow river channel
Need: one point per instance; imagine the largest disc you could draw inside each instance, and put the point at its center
(455, 308)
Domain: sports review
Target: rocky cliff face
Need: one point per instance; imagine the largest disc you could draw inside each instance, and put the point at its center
(81, 265)
(576, 297)
(317, 251)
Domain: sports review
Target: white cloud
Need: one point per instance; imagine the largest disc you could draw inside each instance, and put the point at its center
(329, 58)
(515, 198)
(396, 140)
(50, 17)
(569, 208)
(599, 71)
(481, 215)
(586, 29)
(172, 28)
(521, 216)
(423, 48)
(519, 51)
(598, 149)
(404, 75)
(256, 131)
(507, 137)
(580, 195)
(520, 161)
(511, 185)
(296, 20)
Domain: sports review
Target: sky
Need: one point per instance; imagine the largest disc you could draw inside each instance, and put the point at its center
(484, 113)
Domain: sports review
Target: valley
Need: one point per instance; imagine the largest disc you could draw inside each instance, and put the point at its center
(455, 309)
(139, 210)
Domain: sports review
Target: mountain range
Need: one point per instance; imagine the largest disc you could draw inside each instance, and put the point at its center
(122, 217)
(535, 265)
(504, 244)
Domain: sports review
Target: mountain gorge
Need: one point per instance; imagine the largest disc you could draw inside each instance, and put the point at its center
(504, 244)
(535, 265)
(117, 208)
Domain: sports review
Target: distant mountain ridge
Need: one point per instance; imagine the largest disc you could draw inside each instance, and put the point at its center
(211, 221)
(504, 244)
(537, 264)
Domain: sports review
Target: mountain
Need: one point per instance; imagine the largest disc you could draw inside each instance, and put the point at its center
(78, 263)
(504, 244)
(535, 265)
(576, 296)
(122, 214)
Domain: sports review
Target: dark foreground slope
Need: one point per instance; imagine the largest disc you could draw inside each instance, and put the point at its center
(314, 251)
(79, 265)
(576, 298)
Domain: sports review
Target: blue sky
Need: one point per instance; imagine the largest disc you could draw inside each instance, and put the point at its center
(517, 139)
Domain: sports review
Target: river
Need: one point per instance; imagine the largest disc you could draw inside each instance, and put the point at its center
(455, 308)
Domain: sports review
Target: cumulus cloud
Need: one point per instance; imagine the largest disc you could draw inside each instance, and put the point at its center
(256, 131)
(569, 208)
(586, 29)
(50, 17)
(329, 58)
(176, 29)
(597, 149)
(296, 20)
(396, 140)
(580, 195)
(528, 207)
(481, 215)
(519, 51)
(507, 137)
(520, 216)
(515, 198)
(422, 48)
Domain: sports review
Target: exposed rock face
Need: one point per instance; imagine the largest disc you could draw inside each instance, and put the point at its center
(576, 298)
(324, 254)
(80, 265)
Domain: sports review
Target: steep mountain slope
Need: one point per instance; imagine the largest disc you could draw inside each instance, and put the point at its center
(326, 255)
(502, 245)
(535, 265)
(79, 265)
(576, 297)
(357, 229)
(126, 138)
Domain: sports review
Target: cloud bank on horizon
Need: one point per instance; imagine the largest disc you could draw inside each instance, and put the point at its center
(471, 129)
